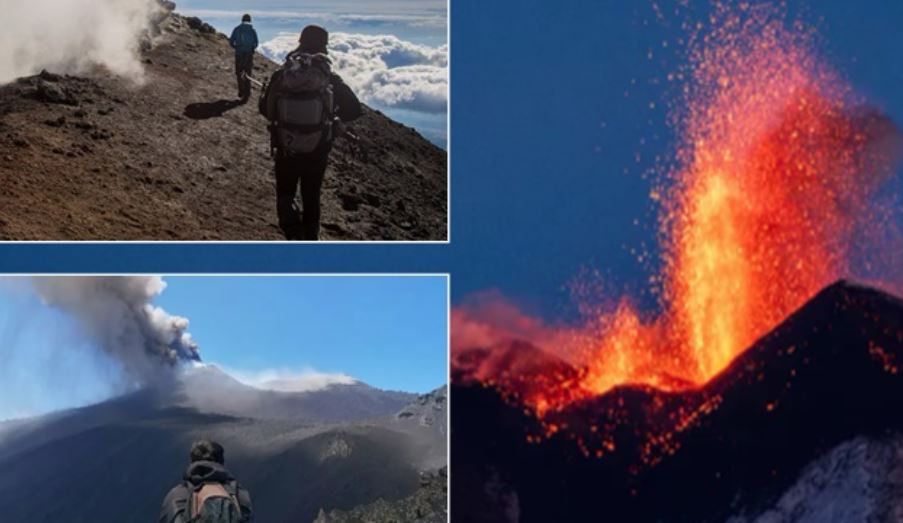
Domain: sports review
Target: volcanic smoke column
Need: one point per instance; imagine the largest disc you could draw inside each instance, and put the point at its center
(116, 313)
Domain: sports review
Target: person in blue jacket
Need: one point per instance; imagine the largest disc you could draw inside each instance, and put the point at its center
(244, 41)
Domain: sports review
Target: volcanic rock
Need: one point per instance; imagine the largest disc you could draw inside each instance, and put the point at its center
(428, 410)
(427, 505)
(199, 25)
(859, 480)
(48, 76)
(49, 91)
(167, 6)
(828, 374)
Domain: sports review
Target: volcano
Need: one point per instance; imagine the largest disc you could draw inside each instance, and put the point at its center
(337, 448)
(174, 157)
(775, 423)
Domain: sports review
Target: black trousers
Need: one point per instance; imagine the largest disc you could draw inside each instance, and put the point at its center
(244, 63)
(306, 170)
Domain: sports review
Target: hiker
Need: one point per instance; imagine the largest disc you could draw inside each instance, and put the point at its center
(209, 492)
(306, 104)
(244, 41)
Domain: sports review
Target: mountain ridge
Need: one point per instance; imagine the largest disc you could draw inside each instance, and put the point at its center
(97, 157)
(133, 448)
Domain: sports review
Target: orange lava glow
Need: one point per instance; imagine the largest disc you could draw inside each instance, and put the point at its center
(772, 190)
(776, 172)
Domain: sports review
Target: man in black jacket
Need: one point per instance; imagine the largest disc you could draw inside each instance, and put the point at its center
(307, 168)
(208, 492)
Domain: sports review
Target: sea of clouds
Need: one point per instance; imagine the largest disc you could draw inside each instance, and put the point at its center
(385, 71)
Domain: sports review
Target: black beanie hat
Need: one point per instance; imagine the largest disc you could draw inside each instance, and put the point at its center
(207, 450)
(314, 39)
(246, 18)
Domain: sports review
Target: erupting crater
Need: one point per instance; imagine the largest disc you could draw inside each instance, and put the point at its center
(756, 362)
(775, 193)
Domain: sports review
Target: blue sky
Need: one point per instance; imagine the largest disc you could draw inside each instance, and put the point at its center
(541, 189)
(408, 95)
(390, 332)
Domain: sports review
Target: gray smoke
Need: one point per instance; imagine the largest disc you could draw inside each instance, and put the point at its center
(116, 313)
(70, 36)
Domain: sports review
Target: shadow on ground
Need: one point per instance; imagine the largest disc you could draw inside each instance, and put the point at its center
(205, 110)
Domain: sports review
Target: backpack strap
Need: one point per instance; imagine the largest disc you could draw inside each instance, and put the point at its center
(232, 488)
(190, 505)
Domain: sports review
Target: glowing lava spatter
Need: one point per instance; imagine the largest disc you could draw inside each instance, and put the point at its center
(776, 171)
(773, 192)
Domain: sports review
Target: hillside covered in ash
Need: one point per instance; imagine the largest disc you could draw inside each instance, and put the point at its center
(171, 155)
(333, 449)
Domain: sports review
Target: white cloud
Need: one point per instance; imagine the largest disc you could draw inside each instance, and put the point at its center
(383, 70)
(414, 20)
(284, 380)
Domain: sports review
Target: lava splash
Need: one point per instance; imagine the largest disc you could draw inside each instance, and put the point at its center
(773, 195)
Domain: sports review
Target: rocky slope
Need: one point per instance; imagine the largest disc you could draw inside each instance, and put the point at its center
(860, 480)
(428, 505)
(172, 156)
(751, 443)
(428, 410)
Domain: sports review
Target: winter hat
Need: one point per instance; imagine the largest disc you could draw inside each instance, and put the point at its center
(314, 39)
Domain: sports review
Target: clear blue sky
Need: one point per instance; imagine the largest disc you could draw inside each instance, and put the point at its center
(539, 189)
(390, 332)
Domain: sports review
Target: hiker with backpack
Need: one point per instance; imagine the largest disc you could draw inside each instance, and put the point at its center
(244, 41)
(306, 105)
(208, 493)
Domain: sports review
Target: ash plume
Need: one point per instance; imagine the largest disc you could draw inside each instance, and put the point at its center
(71, 36)
(118, 315)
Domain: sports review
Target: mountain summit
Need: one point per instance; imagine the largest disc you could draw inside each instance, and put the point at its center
(171, 156)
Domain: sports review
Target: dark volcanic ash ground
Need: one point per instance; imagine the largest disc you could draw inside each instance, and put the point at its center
(99, 157)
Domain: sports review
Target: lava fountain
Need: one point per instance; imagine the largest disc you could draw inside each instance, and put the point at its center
(772, 197)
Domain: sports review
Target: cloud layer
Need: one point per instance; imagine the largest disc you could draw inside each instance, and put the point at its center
(411, 20)
(72, 35)
(284, 380)
(384, 70)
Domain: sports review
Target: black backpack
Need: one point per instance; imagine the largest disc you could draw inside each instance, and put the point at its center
(300, 103)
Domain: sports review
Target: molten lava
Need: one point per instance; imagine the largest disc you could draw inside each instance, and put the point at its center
(771, 198)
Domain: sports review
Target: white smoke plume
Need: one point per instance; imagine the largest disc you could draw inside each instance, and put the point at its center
(284, 380)
(71, 36)
(116, 313)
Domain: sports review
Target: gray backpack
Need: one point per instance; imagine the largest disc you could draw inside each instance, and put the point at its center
(301, 103)
(214, 503)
